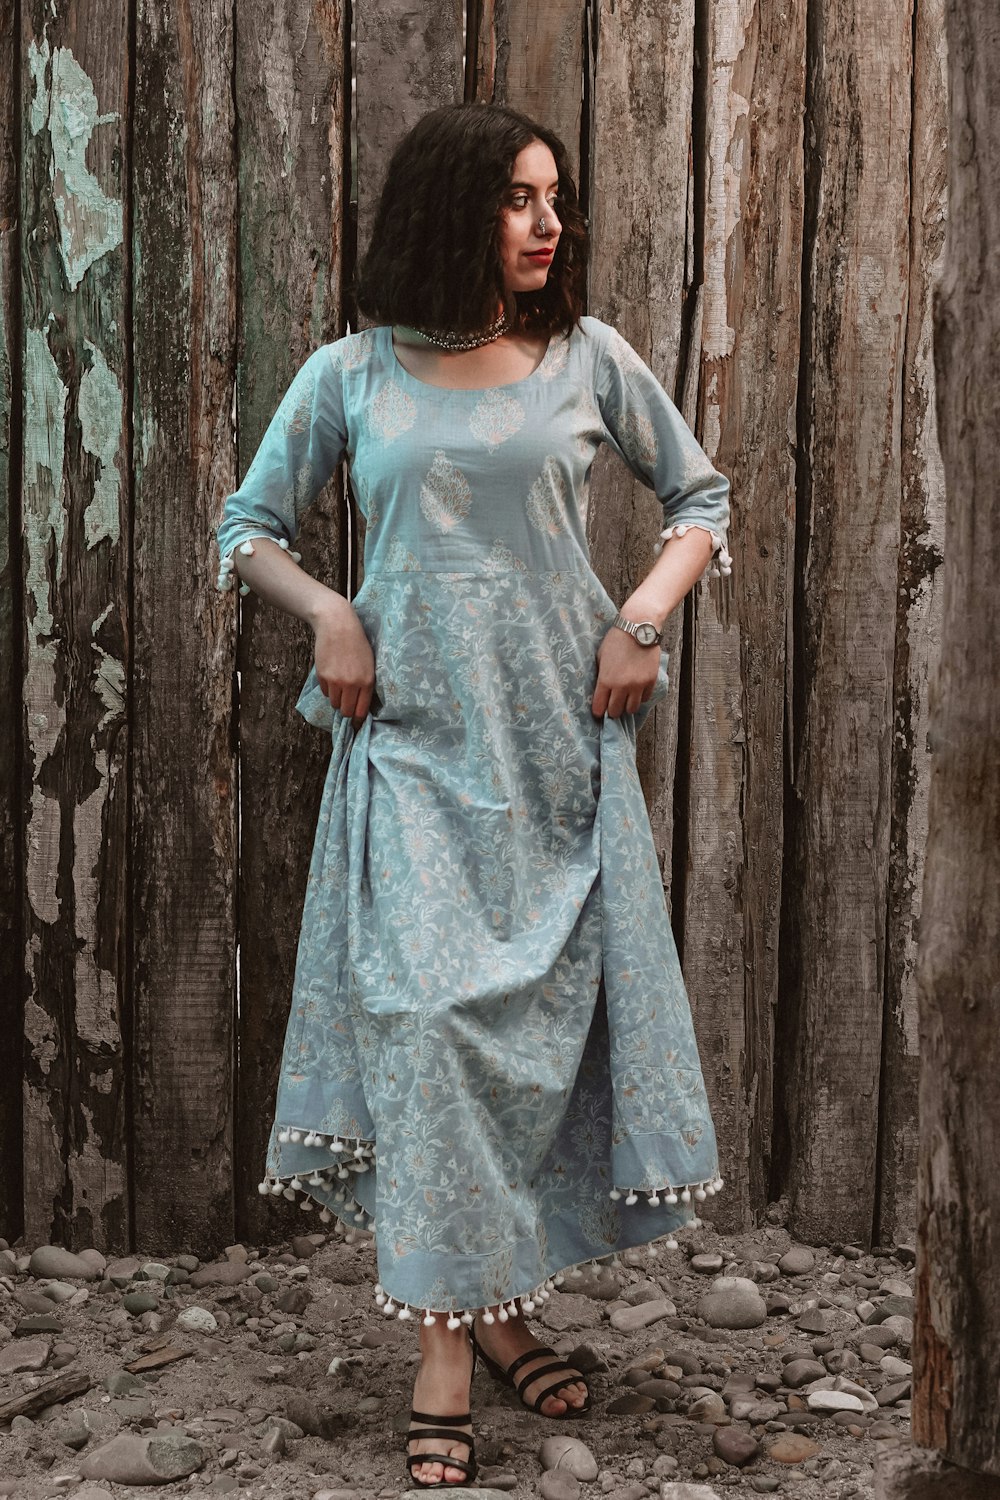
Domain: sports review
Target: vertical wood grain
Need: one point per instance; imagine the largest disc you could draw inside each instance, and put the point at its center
(184, 774)
(531, 59)
(957, 1330)
(75, 574)
(639, 143)
(749, 378)
(848, 515)
(12, 950)
(292, 103)
(918, 633)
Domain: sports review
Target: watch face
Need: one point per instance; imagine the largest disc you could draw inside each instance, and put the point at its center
(646, 634)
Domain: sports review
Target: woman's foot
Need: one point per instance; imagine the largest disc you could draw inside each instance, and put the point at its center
(442, 1385)
(504, 1342)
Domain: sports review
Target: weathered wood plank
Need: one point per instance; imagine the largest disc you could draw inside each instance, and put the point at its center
(291, 72)
(957, 1335)
(12, 951)
(918, 632)
(531, 59)
(638, 149)
(749, 382)
(408, 60)
(183, 782)
(76, 466)
(857, 168)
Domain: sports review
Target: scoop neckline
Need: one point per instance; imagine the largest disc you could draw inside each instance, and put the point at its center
(462, 390)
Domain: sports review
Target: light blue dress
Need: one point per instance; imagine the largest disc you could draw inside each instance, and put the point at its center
(490, 1056)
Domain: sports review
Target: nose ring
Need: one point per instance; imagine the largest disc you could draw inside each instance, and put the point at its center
(541, 226)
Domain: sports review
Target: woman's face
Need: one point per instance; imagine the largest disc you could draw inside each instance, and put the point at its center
(526, 250)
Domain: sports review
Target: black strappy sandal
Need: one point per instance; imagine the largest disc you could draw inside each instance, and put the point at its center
(468, 1466)
(506, 1377)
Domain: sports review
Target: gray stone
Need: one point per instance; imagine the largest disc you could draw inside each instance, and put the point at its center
(557, 1485)
(59, 1291)
(765, 1484)
(892, 1307)
(792, 1448)
(734, 1447)
(798, 1261)
(732, 1302)
(800, 1371)
(73, 1429)
(139, 1302)
(706, 1264)
(25, 1354)
(841, 1361)
(708, 1408)
(895, 1369)
(156, 1271)
(301, 1410)
(766, 1411)
(833, 1401)
(631, 1404)
(631, 1319)
(38, 1323)
(53, 1260)
(197, 1320)
(896, 1390)
(879, 1337)
(643, 1291)
(152, 1459)
(295, 1300)
(220, 1273)
(901, 1328)
(811, 1321)
(568, 1454)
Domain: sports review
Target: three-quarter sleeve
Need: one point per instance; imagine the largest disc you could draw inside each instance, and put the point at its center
(644, 426)
(304, 442)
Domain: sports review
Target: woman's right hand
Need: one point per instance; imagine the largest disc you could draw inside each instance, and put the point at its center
(345, 662)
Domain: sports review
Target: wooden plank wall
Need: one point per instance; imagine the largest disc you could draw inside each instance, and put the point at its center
(765, 186)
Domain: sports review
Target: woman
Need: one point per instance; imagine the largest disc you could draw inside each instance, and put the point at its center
(490, 1058)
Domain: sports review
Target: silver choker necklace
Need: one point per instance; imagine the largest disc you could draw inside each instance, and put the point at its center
(456, 341)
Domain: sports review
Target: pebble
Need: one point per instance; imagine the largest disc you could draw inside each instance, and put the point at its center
(892, 1306)
(38, 1323)
(792, 1448)
(811, 1321)
(53, 1260)
(833, 1401)
(734, 1447)
(901, 1329)
(707, 1264)
(800, 1371)
(765, 1484)
(798, 1261)
(895, 1390)
(139, 1302)
(570, 1455)
(732, 1302)
(895, 1368)
(841, 1361)
(129, 1459)
(631, 1404)
(631, 1319)
(220, 1273)
(197, 1320)
(708, 1408)
(555, 1484)
(25, 1354)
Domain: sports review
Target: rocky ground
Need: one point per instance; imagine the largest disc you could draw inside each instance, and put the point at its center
(730, 1366)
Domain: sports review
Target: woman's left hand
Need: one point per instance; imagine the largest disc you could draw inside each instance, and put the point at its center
(626, 674)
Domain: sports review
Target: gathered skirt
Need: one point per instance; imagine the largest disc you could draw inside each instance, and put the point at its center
(490, 1059)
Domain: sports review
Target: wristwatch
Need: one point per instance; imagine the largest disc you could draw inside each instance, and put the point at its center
(643, 631)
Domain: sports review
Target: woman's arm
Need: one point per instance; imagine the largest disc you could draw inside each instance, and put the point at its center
(644, 426)
(304, 442)
(626, 671)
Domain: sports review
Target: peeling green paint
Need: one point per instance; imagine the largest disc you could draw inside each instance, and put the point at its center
(101, 427)
(90, 223)
(109, 684)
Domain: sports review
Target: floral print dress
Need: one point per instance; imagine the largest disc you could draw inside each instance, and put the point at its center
(490, 1057)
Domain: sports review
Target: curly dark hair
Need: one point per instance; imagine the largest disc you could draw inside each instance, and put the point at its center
(433, 260)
